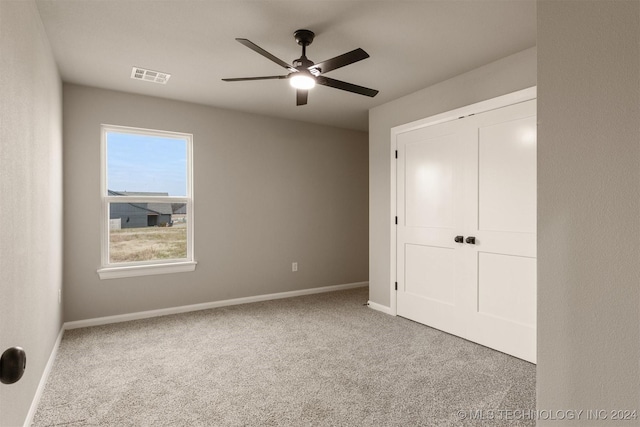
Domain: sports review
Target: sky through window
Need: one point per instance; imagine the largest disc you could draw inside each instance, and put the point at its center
(146, 163)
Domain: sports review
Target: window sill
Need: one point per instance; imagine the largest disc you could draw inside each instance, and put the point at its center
(146, 270)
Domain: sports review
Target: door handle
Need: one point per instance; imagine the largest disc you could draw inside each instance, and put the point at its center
(471, 240)
(13, 362)
(459, 239)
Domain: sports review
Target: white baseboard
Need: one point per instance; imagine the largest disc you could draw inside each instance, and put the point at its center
(43, 380)
(207, 305)
(380, 307)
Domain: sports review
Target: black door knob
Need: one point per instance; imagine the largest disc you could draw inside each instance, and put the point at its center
(471, 240)
(459, 239)
(12, 365)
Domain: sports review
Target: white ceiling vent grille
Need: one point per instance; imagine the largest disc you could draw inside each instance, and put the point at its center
(138, 73)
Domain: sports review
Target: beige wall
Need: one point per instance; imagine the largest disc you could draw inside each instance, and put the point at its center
(588, 207)
(506, 75)
(30, 200)
(267, 191)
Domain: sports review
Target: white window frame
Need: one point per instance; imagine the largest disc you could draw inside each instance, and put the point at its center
(144, 268)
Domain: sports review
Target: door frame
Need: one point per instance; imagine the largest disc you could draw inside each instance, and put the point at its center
(479, 107)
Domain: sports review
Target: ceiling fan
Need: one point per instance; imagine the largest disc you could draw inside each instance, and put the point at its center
(305, 74)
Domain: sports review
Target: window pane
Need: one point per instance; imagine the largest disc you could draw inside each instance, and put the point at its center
(146, 165)
(147, 231)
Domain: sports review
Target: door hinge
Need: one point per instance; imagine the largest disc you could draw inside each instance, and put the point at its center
(396, 220)
(396, 286)
(396, 154)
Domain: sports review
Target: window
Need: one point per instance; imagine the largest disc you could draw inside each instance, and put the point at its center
(147, 205)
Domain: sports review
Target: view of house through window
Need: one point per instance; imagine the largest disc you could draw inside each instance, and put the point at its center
(146, 196)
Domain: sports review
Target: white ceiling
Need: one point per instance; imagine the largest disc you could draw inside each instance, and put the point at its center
(413, 44)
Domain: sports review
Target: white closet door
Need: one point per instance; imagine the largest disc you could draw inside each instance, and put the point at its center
(472, 177)
(501, 215)
(430, 212)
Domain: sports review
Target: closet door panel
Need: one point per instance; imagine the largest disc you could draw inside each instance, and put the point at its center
(473, 177)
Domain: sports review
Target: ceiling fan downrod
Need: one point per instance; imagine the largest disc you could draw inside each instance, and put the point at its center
(304, 39)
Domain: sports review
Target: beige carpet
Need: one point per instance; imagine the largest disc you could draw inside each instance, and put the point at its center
(316, 360)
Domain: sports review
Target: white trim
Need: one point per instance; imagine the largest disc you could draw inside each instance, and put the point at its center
(207, 305)
(477, 108)
(392, 225)
(43, 379)
(146, 270)
(145, 199)
(380, 307)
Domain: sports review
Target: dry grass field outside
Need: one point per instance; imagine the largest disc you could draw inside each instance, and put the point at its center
(148, 243)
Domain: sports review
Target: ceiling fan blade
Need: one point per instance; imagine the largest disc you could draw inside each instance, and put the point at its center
(301, 96)
(349, 87)
(266, 54)
(242, 79)
(340, 61)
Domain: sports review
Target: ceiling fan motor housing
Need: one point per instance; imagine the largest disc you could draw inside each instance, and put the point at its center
(302, 63)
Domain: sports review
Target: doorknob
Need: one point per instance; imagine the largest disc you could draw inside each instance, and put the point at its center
(12, 365)
(471, 240)
(459, 239)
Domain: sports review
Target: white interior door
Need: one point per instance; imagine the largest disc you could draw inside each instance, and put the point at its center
(430, 212)
(473, 177)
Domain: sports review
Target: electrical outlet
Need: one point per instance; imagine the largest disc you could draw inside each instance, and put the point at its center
(294, 266)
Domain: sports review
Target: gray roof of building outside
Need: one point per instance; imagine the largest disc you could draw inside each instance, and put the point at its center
(161, 208)
(136, 193)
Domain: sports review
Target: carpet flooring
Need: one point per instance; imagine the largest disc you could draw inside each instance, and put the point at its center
(318, 360)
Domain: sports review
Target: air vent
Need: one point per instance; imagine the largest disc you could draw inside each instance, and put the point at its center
(138, 73)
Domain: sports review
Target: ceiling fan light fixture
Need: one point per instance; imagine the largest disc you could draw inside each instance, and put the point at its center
(302, 81)
(304, 74)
